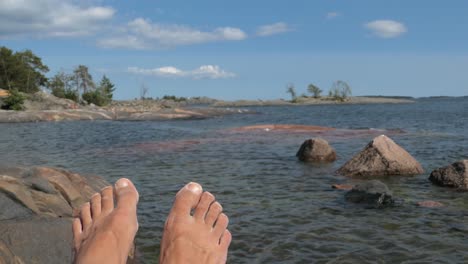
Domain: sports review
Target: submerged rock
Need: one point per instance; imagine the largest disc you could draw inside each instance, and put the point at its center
(454, 175)
(37, 206)
(345, 187)
(430, 204)
(316, 150)
(371, 194)
(382, 156)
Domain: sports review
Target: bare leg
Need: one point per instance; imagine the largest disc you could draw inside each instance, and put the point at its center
(198, 238)
(104, 234)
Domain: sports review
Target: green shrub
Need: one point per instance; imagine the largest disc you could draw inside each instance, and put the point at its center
(95, 97)
(14, 101)
(174, 98)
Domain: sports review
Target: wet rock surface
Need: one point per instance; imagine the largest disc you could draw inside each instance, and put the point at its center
(371, 194)
(316, 150)
(454, 175)
(381, 157)
(37, 206)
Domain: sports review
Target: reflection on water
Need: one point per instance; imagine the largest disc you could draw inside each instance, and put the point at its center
(280, 210)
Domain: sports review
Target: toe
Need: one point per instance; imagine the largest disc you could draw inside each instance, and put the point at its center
(85, 215)
(95, 205)
(187, 198)
(213, 213)
(77, 231)
(107, 200)
(126, 194)
(220, 225)
(225, 240)
(202, 207)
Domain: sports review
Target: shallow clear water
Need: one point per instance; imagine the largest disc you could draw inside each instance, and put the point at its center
(281, 210)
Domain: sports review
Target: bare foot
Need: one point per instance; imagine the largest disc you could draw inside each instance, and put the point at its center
(104, 234)
(198, 238)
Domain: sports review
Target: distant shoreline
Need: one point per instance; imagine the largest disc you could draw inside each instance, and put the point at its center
(46, 107)
(316, 101)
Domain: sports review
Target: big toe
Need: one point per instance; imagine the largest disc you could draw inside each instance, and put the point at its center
(126, 194)
(187, 198)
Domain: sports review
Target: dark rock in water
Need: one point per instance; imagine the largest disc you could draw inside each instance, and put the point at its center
(381, 157)
(454, 175)
(316, 150)
(371, 194)
(37, 206)
(345, 187)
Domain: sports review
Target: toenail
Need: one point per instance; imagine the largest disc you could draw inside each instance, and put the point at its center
(107, 187)
(193, 187)
(122, 183)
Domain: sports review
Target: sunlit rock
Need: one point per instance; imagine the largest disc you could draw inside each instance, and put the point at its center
(382, 156)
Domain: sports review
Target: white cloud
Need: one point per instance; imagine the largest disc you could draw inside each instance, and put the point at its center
(45, 18)
(202, 72)
(331, 15)
(386, 28)
(143, 34)
(272, 29)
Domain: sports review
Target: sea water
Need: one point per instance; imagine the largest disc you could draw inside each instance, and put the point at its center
(281, 210)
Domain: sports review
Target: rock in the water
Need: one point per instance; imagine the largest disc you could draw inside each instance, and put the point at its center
(345, 187)
(316, 150)
(430, 204)
(36, 210)
(371, 194)
(454, 175)
(382, 156)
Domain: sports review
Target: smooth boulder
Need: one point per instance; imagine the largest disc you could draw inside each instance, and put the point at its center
(316, 150)
(381, 157)
(371, 194)
(37, 206)
(454, 175)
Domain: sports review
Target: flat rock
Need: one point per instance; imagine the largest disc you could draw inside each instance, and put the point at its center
(37, 206)
(454, 175)
(381, 157)
(371, 194)
(316, 150)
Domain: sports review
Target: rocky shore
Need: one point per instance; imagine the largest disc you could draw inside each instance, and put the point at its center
(42, 106)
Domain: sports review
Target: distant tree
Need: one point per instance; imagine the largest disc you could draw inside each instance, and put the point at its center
(106, 88)
(314, 90)
(102, 95)
(292, 91)
(83, 80)
(61, 85)
(340, 90)
(143, 91)
(23, 71)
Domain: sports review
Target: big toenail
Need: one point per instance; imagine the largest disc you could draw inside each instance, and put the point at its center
(193, 187)
(122, 183)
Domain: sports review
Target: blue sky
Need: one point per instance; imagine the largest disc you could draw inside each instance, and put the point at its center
(249, 49)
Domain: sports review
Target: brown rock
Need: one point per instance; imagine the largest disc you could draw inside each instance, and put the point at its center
(316, 150)
(454, 175)
(382, 156)
(429, 204)
(36, 208)
(345, 187)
